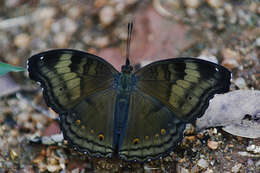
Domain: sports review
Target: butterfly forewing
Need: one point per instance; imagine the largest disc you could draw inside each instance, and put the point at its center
(184, 85)
(67, 76)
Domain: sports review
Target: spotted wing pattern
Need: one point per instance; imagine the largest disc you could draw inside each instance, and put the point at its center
(152, 129)
(168, 94)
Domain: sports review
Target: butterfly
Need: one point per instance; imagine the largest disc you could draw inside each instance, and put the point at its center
(137, 116)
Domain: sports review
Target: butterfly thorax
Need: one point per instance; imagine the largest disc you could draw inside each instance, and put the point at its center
(126, 80)
(126, 83)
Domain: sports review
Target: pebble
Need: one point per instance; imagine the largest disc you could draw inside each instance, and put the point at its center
(13, 154)
(195, 169)
(240, 83)
(192, 3)
(183, 170)
(215, 3)
(22, 40)
(45, 13)
(53, 168)
(75, 170)
(61, 39)
(230, 63)
(253, 148)
(101, 41)
(69, 26)
(257, 41)
(74, 12)
(212, 145)
(257, 164)
(107, 15)
(236, 168)
(203, 164)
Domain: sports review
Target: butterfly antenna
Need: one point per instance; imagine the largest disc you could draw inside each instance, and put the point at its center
(129, 34)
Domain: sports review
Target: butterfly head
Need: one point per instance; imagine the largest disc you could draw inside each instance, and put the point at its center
(127, 68)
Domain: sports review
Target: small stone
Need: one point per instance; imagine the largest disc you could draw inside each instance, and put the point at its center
(215, 3)
(61, 39)
(22, 40)
(257, 164)
(75, 170)
(107, 15)
(236, 168)
(38, 159)
(74, 12)
(195, 169)
(203, 164)
(240, 83)
(212, 145)
(184, 170)
(230, 63)
(53, 168)
(253, 148)
(69, 25)
(100, 3)
(45, 13)
(257, 42)
(192, 3)
(13, 154)
(101, 42)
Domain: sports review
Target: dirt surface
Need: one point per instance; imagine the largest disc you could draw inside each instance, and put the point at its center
(226, 31)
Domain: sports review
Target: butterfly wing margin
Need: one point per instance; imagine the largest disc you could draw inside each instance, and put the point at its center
(88, 127)
(67, 76)
(184, 85)
(152, 129)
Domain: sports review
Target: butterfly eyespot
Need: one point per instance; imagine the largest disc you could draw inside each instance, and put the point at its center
(78, 122)
(189, 97)
(60, 89)
(85, 152)
(101, 137)
(136, 141)
(163, 131)
(146, 137)
(156, 135)
(92, 131)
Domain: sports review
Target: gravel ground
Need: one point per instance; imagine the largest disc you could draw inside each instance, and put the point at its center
(226, 31)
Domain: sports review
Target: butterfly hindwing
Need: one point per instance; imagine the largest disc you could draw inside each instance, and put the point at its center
(89, 126)
(67, 76)
(152, 129)
(184, 85)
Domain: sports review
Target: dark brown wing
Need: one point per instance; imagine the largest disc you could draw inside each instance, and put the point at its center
(67, 76)
(152, 129)
(184, 85)
(79, 87)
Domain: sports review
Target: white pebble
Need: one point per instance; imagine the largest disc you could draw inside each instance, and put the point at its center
(107, 15)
